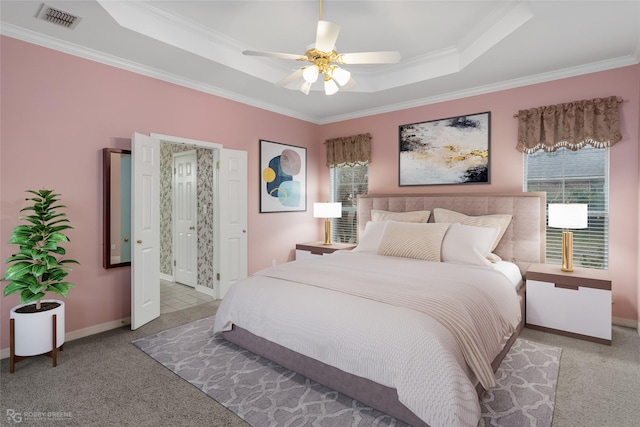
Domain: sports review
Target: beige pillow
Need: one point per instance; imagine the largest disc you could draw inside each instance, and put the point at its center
(413, 240)
(500, 221)
(413, 216)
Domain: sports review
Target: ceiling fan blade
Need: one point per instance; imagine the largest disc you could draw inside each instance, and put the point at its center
(351, 85)
(274, 55)
(326, 36)
(290, 78)
(389, 57)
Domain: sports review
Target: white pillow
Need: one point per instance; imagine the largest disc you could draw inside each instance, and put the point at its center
(496, 220)
(412, 216)
(370, 239)
(468, 244)
(494, 258)
(413, 240)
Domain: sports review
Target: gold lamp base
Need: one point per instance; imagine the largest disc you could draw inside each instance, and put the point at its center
(327, 231)
(567, 251)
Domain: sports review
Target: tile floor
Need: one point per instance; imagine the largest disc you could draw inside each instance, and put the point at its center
(176, 296)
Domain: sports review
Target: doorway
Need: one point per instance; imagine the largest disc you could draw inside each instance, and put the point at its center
(225, 254)
(189, 259)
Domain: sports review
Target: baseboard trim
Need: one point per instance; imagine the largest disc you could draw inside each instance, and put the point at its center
(205, 290)
(81, 333)
(103, 327)
(629, 323)
(167, 277)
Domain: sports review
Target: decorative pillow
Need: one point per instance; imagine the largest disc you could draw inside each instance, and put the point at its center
(370, 239)
(497, 220)
(413, 216)
(413, 240)
(468, 244)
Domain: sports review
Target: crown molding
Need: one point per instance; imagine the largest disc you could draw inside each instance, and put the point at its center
(39, 39)
(496, 87)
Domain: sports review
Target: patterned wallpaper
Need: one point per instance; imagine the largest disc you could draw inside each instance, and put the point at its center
(206, 215)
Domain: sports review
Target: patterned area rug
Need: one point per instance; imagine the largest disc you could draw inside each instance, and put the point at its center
(265, 394)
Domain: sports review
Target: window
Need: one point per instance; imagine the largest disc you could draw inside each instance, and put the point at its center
(580, 176)
(346, 183)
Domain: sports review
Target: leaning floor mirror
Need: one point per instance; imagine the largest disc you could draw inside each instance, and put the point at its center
(117, 207)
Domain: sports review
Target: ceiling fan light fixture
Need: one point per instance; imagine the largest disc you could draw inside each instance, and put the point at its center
(324, 60)
(330, 87)
(340, 75)
(310, 74)
(304, 87)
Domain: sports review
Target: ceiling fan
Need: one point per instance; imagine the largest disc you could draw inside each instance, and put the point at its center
(325, 61)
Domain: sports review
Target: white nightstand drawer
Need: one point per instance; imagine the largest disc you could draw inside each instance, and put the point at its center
(585, 310)
(301, 254)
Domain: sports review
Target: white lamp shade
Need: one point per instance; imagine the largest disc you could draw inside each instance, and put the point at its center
(327, 210)
(330, 87)
(310, 74)
(341, 76)
(568, 215)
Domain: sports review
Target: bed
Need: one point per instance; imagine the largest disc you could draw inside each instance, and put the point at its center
(359, 321)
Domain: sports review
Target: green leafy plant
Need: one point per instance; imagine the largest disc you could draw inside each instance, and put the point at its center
(38, 267)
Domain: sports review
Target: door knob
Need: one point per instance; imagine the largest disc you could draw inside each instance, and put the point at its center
(192, 228)
(244, 231)
(126, 239)
(139, 241)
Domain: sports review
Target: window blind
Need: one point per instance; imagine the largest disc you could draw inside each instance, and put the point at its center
(346, 182)
(580, 176)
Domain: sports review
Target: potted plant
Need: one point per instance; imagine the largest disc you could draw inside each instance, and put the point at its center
(38, 267)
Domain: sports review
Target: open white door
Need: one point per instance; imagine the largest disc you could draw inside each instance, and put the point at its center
(145, 229)
(233, 218)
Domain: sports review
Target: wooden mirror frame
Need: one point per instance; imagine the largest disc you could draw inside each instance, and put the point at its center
(107, 205)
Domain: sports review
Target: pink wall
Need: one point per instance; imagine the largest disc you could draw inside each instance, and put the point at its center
(62, 110)
(507, 163)
(59, 111)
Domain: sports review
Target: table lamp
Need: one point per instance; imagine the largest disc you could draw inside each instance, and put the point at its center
(327, 211)
(567, 216)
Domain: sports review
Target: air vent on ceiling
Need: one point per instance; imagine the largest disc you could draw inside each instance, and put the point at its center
(58, 17)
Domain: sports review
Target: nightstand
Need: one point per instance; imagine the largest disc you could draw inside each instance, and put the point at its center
(318, 248)
(575, 304)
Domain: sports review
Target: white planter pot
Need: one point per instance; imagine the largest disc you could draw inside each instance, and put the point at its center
(33, 331)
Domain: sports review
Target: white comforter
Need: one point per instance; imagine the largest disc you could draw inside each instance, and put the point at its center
(396, 346)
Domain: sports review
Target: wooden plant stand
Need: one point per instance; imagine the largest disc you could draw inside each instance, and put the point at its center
(53, 354)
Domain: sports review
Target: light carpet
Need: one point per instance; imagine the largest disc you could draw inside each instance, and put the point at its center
(266, 394)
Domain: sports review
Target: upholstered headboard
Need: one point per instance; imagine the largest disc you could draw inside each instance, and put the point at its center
(524, 241)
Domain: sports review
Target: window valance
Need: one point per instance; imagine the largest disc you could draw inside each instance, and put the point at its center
(349, 150)
(572, 125)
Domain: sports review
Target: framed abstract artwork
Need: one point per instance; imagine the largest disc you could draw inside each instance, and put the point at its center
(445, 151)
(283, 177)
